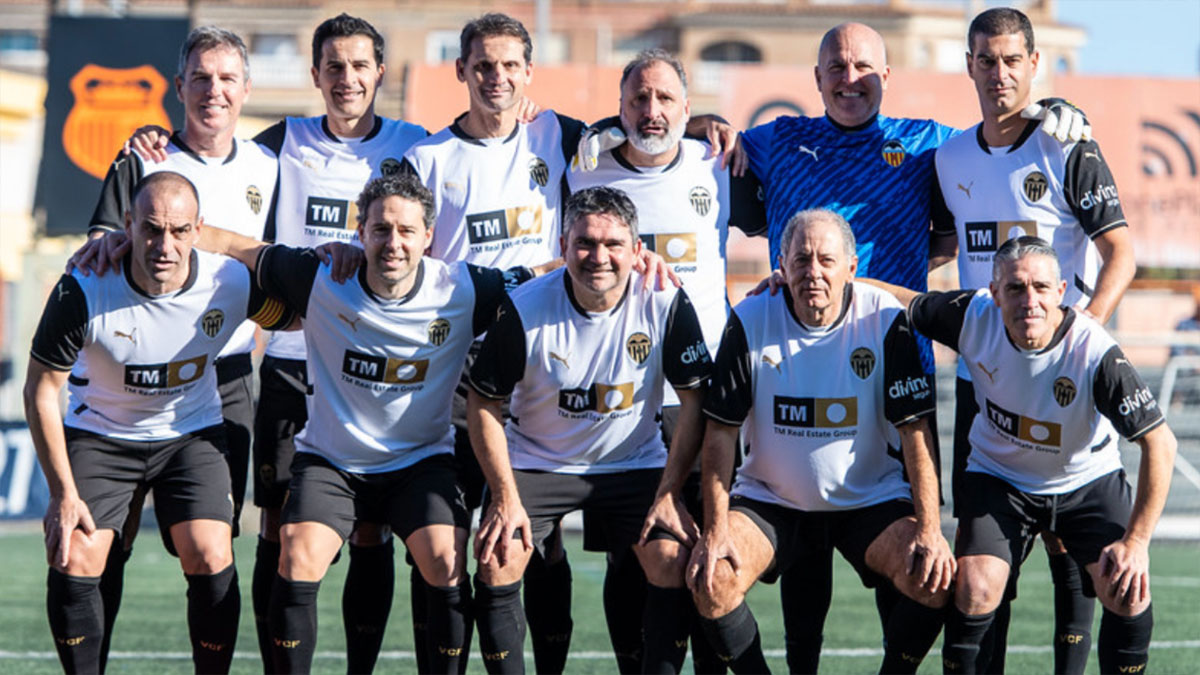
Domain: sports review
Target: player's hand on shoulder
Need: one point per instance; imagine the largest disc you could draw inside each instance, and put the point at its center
(342, 259)
(669, 513)
(723, 140)
(594, 141)
(772, 283)
(1125, 572)
(63, 516)
(527, 110)
(503, 518)
(654, 269)
(103, 250)
(149, 142)
(1061, 119)
(931, 561)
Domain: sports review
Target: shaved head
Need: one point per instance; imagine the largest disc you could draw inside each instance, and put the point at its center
(165, 184)
(852, 73)
(857, 33)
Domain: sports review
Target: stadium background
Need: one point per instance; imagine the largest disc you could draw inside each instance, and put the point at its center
(747, 61)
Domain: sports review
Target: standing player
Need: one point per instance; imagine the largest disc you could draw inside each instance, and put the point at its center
(584, 353)
(685, 202)
(1054, 391)
(236, 183)
(137, 349)
(1001, 179)
(826, 378)
(386, 349)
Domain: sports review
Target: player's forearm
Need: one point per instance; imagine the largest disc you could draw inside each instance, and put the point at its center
(685, 443)
(917, 443)
(239, 247)
(904, 295)
(486, 429)
(716, 471)
(1154, 480)
(44, 417)
(546, 268)
(1115, 275)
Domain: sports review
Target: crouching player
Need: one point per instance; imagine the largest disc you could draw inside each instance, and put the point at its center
(827, 380)
(385, 351)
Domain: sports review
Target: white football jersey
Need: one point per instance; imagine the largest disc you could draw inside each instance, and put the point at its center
(320, 178)
(820, 406)
(498, 199)
(1048, 419)
(586, 387)
(235, 194)
(683, 215)
(383, 372)
(1064, 194)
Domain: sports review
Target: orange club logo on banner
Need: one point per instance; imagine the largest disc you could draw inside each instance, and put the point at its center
(110, 104)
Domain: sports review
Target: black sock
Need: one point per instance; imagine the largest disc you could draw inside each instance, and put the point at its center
(624, 601)
(76, 615)
(704, 658)
(805, 591)
(961, 649)
(366, 603)
(736, 641)
(548, 611)
(995, 641)
(886, 598)
(418, 598)
(501, 627)
(1125, 641)
(665, 625)
(214, 606)
(293, 622)
(911, 630)
(449, 607)
(266, 565)
(1073, 613)
(112, 585)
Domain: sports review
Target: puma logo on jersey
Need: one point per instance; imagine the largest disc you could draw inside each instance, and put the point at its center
(131, 335)
(805, 150)
(353, 324)
(1093, 155)
(1120, 361)
(991, 374)
(960, 297)
(967, 189)
(771, 362)
(448, 185)
(560, 359)
(62, 292)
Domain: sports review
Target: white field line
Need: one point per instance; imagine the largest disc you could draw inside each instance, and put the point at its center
(584, 655)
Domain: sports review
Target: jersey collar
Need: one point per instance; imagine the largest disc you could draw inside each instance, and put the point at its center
(624, 163)
(854, 129)
(1059, 334)
(457, 130)
(193, 272)
(412, 292)
(791, 308)
(177, 141)
(1030, 127)
(330, 135)
(583, 312)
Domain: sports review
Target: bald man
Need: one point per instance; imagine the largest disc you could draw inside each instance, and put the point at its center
(136, 351)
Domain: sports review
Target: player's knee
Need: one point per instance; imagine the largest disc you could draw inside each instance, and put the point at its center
(442, 569)
(978, 588)
(206, 556)
(87, 555)
(724, 597)
(664, 562)
(1115, 603)
(494, 574)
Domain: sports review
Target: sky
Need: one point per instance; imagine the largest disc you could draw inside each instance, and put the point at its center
(1136, 37)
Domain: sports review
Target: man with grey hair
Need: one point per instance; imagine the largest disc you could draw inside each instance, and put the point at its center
(686, 204)
(826, 380)
(1053, 391)
(236, 181)
(584, 353)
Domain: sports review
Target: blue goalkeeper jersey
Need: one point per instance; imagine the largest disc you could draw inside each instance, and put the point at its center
(879, 178)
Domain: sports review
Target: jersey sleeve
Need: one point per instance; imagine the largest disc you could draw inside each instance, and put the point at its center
(1091, 191)
(63, 327)
(731, 393)
(501, 361)
(572, 131)
(748, 207)
(268, 311)
(287, 274)
(939, 315)
(272, 137)
(943, 220)
(907, 394)
(489, 294)
(1123, 397)
(116, 194)
(686, 362)
(757, 144)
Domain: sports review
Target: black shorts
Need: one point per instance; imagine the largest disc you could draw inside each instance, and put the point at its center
(235, 382)
(618, 501)
(798, 535)
(282, 413)
(407, 499)
(965, 410)
(187, 476)
(998, 519)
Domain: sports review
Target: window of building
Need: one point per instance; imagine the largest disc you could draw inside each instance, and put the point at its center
(731, 51)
